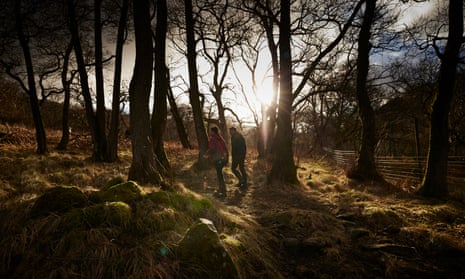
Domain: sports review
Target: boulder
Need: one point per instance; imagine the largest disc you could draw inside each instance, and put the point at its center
(58, 200)
(126, 192)
(203, 255)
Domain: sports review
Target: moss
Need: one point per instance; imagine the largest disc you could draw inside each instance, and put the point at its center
(203, 255)
(125, 192)
(100, 215)
(58, 200)
(164, 220)
(196, 206)
(112, 182)
(108, 214)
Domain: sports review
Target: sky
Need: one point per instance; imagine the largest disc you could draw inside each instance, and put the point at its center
(236, 102)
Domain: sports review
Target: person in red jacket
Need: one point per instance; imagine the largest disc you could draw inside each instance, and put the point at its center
(218, 155)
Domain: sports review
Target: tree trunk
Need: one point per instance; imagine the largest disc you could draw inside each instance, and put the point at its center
(434, 182)
(112, 143)
(365, 167)
(283, 167)
(183, 137)
(269, 122)
(194, 94)
(161, 85)
(143, 168)
(101, 140)
(83, 78)
(66, 87)
(32, 92)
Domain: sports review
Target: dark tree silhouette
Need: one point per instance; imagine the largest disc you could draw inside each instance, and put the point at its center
(112, 143)
(194, 94)
(84, 80)
(31, 83)
(365, 167)
(435, 179)
(161, 85)
(143, 168)
(283, 167)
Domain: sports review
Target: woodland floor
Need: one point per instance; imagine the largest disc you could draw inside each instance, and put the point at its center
(332, 227)
(326, 227)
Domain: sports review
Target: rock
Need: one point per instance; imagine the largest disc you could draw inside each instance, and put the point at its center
(203, 255)
(314, 244)
(126, 192)
(58, 200)
(107, 214)
(112, 182)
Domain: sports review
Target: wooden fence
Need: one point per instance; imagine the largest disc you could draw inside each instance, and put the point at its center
(405, 168)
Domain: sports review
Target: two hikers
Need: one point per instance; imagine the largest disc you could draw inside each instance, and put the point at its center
(219, 156)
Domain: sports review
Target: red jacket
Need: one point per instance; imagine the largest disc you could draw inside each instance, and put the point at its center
(217, 149)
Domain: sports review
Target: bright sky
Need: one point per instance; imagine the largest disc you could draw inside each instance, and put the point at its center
(236, 102)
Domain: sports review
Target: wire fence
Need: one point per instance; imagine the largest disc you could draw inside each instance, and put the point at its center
(406, 168)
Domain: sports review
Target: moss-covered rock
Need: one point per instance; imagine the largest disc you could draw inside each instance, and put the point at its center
(203, 254)
(126, 192)
(100, 215)
(114, 181)
(58, 200)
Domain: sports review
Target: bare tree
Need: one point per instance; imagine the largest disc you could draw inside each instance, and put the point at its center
(365, 167)
(112, 143)
(435, 178)
(194, 94)
(283, 167)
(161, 85)
(31, 83)
(143, 168)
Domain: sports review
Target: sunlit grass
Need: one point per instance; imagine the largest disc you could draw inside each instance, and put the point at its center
(113, 236)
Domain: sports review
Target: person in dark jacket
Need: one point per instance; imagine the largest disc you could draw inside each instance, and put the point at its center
(218, 155)
(238, 152)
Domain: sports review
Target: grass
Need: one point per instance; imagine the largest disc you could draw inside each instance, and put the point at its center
(325, 227)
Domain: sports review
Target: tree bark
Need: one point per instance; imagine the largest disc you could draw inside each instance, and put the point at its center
(101, 140)
(434, 182)
(283, 167)
(143, 168)
(365, 167)
(91, 119)
(183, 137)
(194, 94)
(32, 92)
(112, 143)
(269, 122)
(67, 92)
(161, 85)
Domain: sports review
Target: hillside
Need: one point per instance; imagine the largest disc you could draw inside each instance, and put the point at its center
(326, 227)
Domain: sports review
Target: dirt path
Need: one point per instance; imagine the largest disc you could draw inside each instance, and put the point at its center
(329, 227)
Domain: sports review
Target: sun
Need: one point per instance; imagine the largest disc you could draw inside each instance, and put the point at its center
(265, 92)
